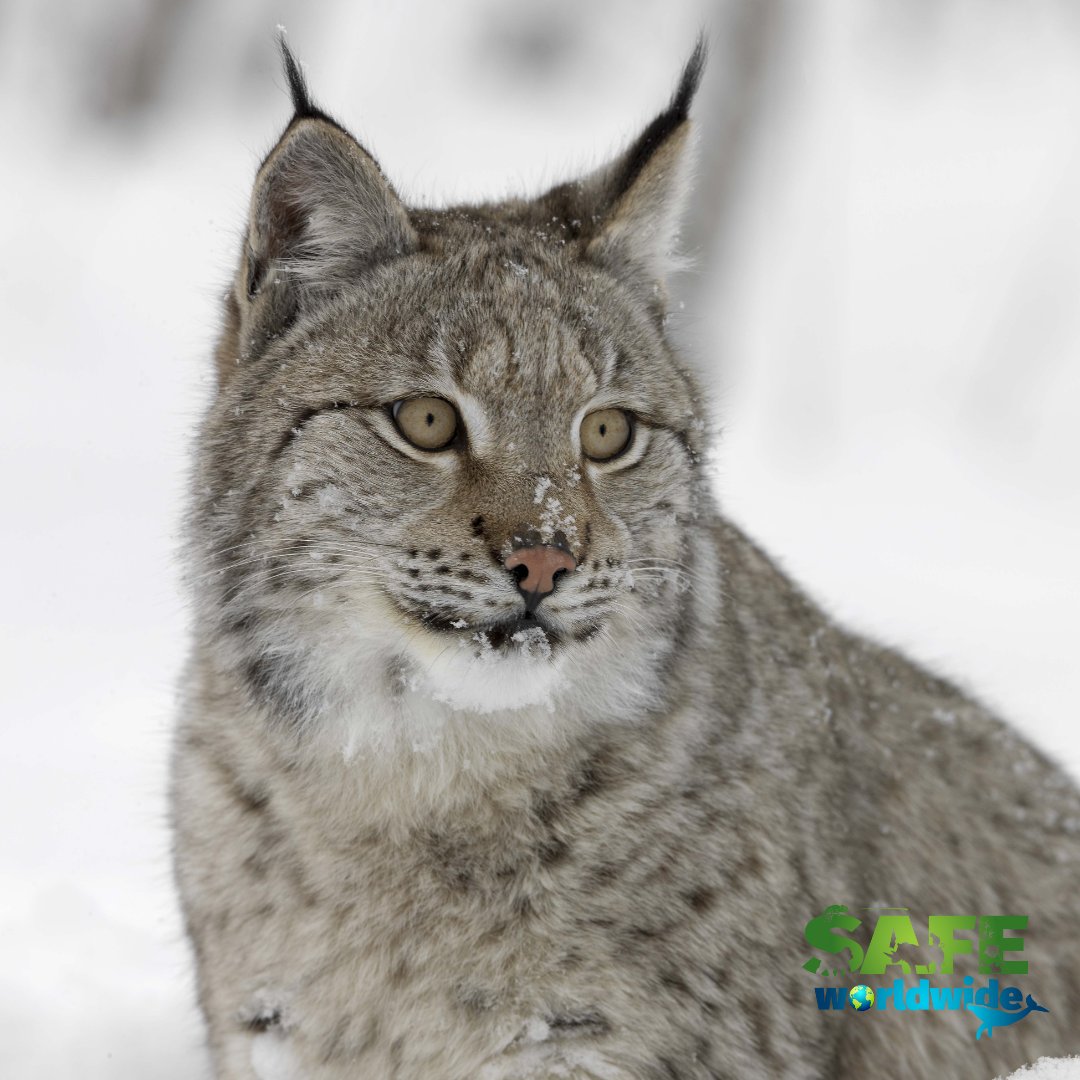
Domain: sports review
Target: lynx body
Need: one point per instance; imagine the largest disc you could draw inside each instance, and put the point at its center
(427, 826)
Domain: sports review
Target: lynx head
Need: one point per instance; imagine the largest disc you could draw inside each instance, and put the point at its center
(452, 456)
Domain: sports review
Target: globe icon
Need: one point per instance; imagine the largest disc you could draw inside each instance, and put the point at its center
(861, 997)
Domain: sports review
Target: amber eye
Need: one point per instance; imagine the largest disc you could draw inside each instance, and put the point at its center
(429, 423)
(606, 433)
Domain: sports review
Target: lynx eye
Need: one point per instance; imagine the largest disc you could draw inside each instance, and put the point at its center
(606, 433)
(429, 423)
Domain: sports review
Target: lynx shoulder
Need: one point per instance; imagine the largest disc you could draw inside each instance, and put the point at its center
(502, 753)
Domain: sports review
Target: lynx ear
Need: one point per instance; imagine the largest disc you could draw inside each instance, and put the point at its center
(631, 207)
(321, 212)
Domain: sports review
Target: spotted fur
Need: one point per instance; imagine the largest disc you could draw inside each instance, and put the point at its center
(418, 835)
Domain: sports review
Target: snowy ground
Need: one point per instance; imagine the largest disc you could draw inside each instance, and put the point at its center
(893, 339)
(1049, 1069)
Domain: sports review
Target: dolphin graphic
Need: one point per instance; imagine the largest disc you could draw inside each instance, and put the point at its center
(995, 1018)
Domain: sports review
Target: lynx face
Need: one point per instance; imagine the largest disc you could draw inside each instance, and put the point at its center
(451, 451)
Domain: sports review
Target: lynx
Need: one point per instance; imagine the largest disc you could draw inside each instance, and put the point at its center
(502, 753)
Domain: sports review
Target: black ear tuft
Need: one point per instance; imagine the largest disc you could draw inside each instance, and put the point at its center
(298, 88)
(675, 114)
(304, 108)
(691, 78)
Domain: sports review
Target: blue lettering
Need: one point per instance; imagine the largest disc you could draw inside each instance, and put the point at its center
(918, 997)
(831, 997)
(988, 995)
(950, 997)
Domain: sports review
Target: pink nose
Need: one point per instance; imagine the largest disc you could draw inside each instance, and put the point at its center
(542, 562)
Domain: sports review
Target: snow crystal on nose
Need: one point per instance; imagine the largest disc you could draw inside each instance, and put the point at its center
(552, 520)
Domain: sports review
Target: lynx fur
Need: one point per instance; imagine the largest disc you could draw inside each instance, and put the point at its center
(424, 831)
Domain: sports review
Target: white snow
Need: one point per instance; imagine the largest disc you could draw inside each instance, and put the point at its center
(330, 499)
(892, 345)
(553, 520)
(537, 1030)
(1066, 1068)
(532, 642)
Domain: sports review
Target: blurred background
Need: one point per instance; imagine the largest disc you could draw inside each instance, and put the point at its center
(887, 239)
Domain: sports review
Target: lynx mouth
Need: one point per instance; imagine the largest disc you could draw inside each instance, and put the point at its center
(522, 629)
(529, 632)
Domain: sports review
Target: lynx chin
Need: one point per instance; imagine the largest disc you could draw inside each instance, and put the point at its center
(502, 754)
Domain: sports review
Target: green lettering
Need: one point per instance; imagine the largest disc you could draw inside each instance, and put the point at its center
(942, 928)
(891, 932)
(993, 942)
(824, 933)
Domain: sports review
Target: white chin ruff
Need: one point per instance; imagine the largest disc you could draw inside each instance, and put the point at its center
(470, 675)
